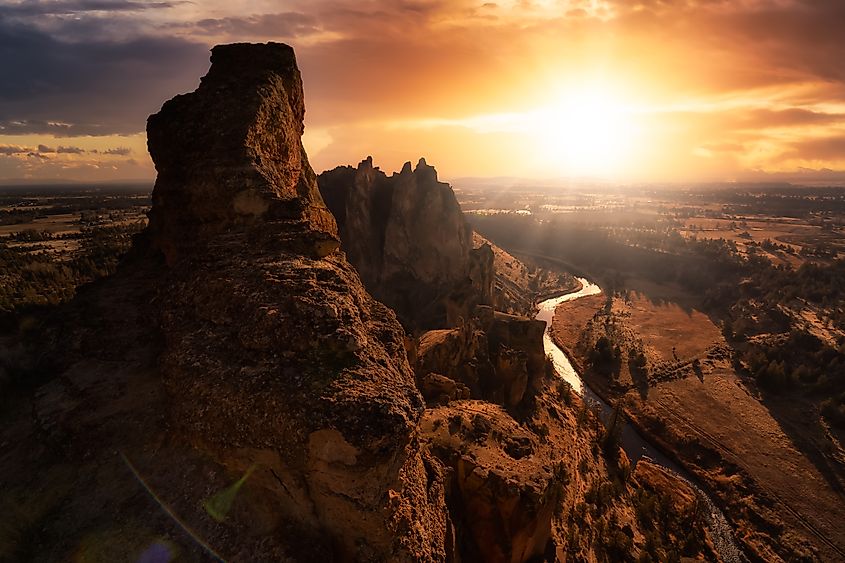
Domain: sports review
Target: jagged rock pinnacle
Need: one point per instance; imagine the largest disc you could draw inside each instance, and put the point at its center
(229, 156)
(410, 242)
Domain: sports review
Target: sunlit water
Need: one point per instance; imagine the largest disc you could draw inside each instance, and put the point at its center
(634, 445)
(561, 362)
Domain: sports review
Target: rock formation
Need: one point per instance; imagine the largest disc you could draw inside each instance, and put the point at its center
(505, 485)
(264, 349)
(408, 238)
(409, 241)
(272, 343)
(336, 401)
(518, 286)
(498, 357)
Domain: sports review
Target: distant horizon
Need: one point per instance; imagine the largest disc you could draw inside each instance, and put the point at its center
(501, 182)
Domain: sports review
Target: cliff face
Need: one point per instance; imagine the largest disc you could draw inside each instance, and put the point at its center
(272, 343)
(407, 237)
(498, 357)
(229, 156)
(254, 349)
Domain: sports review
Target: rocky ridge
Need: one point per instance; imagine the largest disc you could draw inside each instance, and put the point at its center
(262, 348)
(259, 269)
(407, 237)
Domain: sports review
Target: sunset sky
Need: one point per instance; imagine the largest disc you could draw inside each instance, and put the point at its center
(650, 91)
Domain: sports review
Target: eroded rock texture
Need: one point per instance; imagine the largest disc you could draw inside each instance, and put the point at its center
(229, 156)
(407, 237)
(237, 337)
(272, 343)
(498, 357)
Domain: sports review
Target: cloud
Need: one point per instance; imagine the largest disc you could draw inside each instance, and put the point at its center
(118, 151)
(35, 167)
(9, 150)
(767, 73)
(69, 7)
(287, 25)
(790, 117)
(745, 43)
(89, 86)
(831, 148)
(41, 150)
(57, 128)
(69, 150)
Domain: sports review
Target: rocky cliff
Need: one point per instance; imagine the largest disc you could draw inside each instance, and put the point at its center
(272, 343)
(244, 344)
(407, 237)
(496, 356)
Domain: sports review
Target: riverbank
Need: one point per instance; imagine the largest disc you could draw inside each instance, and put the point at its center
(692, 404)
(637, 449)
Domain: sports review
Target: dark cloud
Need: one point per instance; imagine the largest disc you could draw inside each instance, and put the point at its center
(9, 150)
(89, 87)
(42, 150)
(56, 128)
(68, 7)
(118, 151)
(69, 150)
(283, 25)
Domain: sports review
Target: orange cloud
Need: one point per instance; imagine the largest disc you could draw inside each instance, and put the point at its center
(699, 89)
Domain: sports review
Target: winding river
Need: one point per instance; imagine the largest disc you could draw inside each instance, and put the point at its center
(634, 445)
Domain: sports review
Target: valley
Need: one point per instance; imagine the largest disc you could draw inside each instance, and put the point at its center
(661, 343)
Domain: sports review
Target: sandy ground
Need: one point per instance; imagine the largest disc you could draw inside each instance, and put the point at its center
(669, 326)
(766, 459)
(721, 413)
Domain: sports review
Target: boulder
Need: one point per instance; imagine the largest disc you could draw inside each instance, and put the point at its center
(499, 357)
(439, 389)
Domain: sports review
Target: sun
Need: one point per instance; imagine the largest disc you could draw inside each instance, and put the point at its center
(586, 131)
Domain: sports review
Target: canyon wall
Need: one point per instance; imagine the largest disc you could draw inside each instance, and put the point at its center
(407, 237)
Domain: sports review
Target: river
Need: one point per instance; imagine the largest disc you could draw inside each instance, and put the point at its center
(632, 442)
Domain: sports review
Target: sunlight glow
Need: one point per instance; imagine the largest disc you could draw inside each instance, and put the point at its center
(588, 131)
(584, 129)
